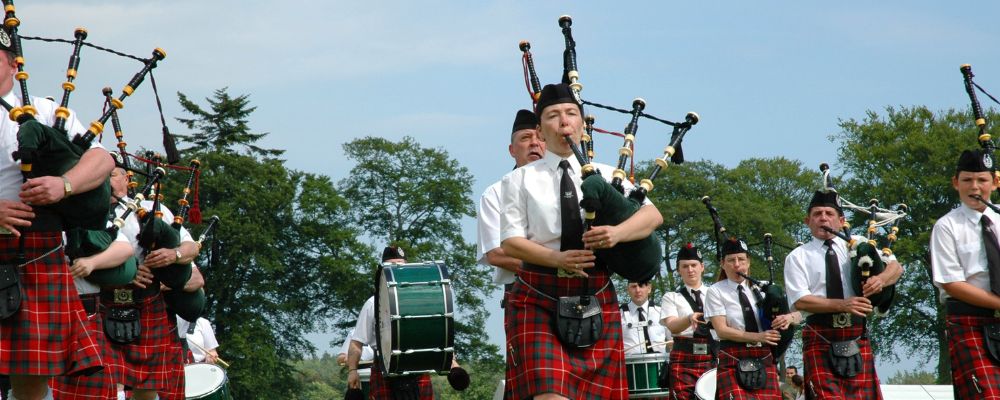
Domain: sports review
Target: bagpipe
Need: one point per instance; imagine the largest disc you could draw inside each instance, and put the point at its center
(46, 150)
(983, 136)
(868, 256)
(607, 203)
(771, 298)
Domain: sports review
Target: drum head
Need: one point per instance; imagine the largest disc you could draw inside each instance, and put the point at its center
(383, 328)
(202, 379)
(705, 387)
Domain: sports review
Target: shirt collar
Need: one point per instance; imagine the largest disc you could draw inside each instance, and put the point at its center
(552, 160)
(974, 215)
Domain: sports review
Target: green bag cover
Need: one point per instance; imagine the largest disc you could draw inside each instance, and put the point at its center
(636, 261)
(155, 233)
(85, 243)
(187, 305)
(52, 154)
(867, 255)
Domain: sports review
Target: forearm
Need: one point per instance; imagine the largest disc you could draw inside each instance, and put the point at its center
(725, 332)
(819, 305)
(641, 224)
(91, 171)
(354, 355)
(892, 273)
(189, 251)
(676, 325)
(531, 252)
(972, 295)
(498, 258)
(113, 256)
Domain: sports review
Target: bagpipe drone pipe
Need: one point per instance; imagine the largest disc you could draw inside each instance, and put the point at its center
(868, 256)
(771, 299)
(608, 203)
(983, 136)
(45, 150)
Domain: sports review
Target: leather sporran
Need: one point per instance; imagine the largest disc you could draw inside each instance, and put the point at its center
(579, 322)
(121, 324)
(751, 373)
(991, 333)
(845, 358)
(10, 290)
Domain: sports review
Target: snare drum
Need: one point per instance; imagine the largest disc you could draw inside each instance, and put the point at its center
(643, 374)
(705, 387)
(205, 381)
(414, 319)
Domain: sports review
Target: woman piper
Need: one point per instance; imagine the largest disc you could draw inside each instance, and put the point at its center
(746, 365)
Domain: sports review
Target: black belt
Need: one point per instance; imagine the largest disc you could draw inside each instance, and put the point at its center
(958, 307)
(702, 347)
(90, 301)
(835, 320)
(729, 343)
(129, 295)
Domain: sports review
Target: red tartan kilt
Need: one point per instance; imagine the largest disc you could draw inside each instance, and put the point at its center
(175, 379)
(969, 358)
(99, 385)
(686, 368)
(49, 335)
(820, 382)
(147, 363)
(727, 386)
(538, 363)
(379, 388)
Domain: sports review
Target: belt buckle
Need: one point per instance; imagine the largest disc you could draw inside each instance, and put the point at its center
(700, 349)
(996, 313)
(755, 344)
(841, 320)
(123, 296)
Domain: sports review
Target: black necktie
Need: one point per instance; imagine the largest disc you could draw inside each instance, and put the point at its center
(645, 331)
(697, 300)
(749, 318)
(992, 253)
(569, 206)
(834, 285)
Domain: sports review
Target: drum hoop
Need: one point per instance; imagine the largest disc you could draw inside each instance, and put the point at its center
(698, 385)
(213, 390)
(645, 358)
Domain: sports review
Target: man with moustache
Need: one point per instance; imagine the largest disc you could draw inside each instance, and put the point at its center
(818, 281)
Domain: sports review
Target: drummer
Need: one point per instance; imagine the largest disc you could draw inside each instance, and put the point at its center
(694, 350)
(641, 330)
(737, 323)
(408, 387)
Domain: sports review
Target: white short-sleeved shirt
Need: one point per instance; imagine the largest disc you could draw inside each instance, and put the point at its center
(958, 253)
(633, 337)
(530, 199)
(10, 170)
(364, 329)
(674, 304)
(805, 270)
(488, 231)
(367, 354)
(203, 336)
(723, 299)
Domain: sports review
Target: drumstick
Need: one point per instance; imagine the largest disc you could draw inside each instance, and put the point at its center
(222, 362)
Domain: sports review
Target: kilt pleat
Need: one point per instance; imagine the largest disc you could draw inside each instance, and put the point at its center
(974, 374)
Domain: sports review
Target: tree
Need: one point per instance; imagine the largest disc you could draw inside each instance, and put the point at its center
(280, 229)
(908, 155)
(414, 197)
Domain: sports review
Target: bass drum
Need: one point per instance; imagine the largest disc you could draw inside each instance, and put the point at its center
(414, 319)
(705, 387)
(206, 382)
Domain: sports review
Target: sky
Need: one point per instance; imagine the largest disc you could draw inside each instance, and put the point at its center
(767, 78)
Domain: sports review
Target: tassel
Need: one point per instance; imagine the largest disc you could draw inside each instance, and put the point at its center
(170, 146)
(194, 214)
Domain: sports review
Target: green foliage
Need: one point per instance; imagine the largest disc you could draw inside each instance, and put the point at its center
(283, 260)
(908, 155)
(405, 194)
(912, 378)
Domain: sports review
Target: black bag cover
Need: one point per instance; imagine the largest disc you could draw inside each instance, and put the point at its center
(579, 322)
(992, 335)
(121, 324)
(751, 374)
(10, 290)
(845, 358)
